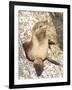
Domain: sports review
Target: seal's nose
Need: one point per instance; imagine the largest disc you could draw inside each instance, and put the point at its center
(38, 65)
(39, 69)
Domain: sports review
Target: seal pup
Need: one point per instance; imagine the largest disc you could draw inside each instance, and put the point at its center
(36, 49)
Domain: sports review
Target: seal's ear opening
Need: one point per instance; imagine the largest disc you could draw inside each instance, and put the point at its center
(38, 64)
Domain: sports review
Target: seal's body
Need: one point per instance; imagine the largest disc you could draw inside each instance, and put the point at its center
(37, 48)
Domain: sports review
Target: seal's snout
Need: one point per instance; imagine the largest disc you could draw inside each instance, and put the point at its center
(39, 69)
(38, 65)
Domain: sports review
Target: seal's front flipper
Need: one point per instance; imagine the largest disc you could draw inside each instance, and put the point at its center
(55, 62)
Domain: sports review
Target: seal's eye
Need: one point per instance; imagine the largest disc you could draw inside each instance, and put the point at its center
(40, 25)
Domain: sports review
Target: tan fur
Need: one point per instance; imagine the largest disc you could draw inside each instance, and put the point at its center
(39, 40)
(37, 49)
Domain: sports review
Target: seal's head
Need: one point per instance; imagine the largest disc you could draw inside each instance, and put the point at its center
(38, 64)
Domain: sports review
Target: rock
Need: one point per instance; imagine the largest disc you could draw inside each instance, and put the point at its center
(26, 21)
